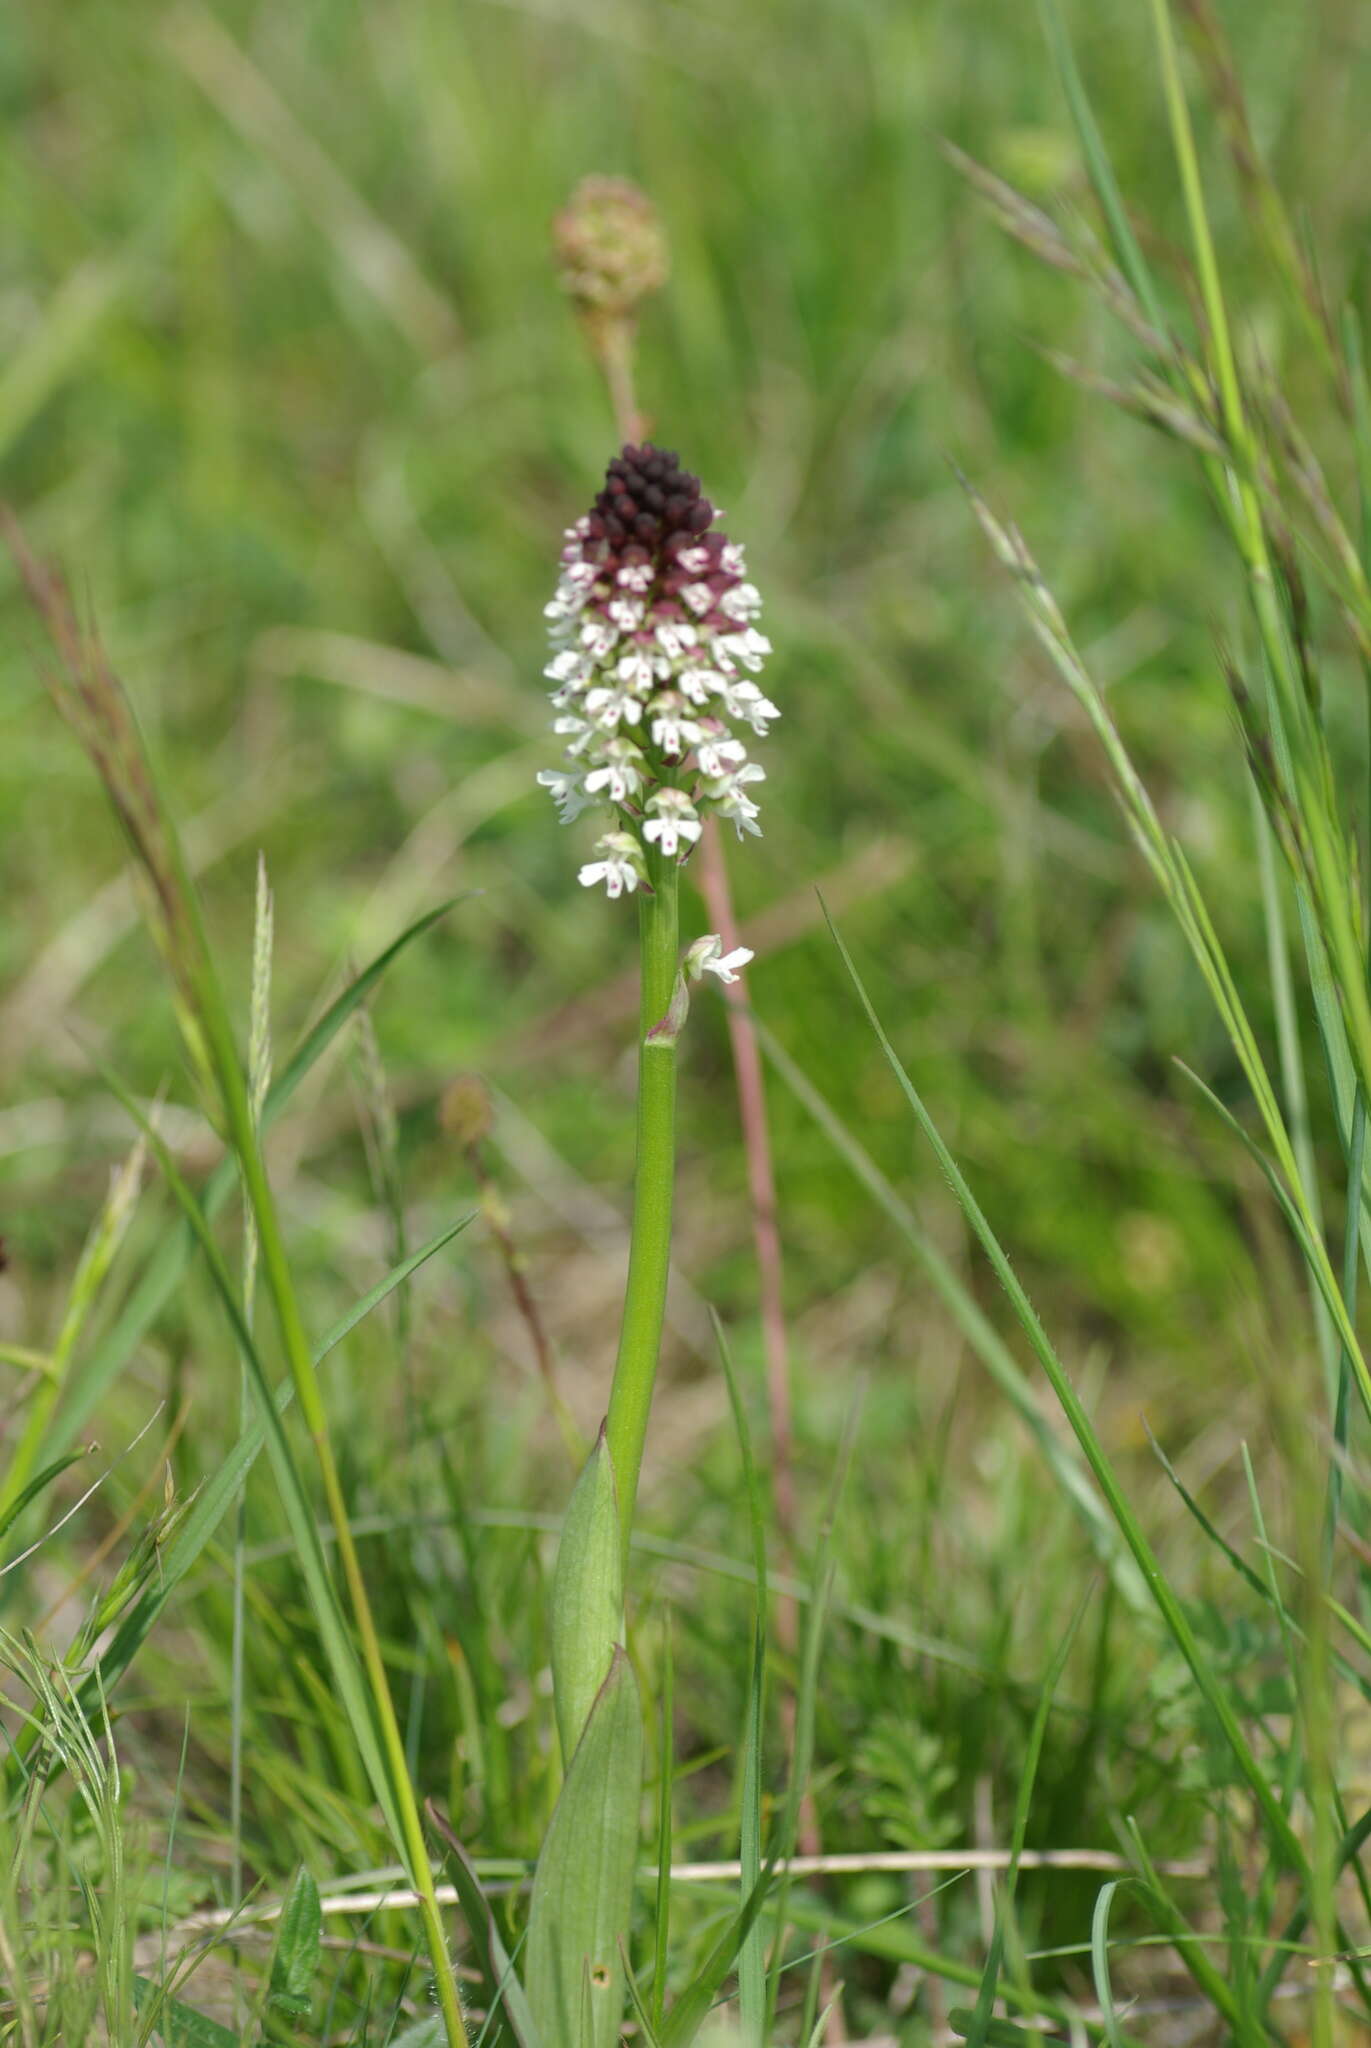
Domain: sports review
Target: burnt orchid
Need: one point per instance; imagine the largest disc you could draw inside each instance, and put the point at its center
(655, 651)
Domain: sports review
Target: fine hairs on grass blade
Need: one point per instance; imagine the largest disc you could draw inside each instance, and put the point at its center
(1283, 1837)
(509, 2022)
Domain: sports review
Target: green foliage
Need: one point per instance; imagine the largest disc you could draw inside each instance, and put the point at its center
(587, 1597)
(580, 1911)
(295, 1963)
(286, 383)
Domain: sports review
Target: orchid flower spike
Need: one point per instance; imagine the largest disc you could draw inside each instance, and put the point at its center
(653, 635)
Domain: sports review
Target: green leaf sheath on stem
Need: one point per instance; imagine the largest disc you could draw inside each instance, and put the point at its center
(587, 1597)
(582, 1899)
(640, 1334)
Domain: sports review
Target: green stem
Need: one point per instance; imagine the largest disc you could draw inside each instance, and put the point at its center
(640, 1335)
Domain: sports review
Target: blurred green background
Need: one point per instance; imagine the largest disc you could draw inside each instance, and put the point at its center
(288, 385)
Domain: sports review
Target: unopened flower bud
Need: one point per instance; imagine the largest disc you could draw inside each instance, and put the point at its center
(610, 249)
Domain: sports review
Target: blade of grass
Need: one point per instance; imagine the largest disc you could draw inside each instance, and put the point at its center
(752, 1999)
(1173, 1615)
(164, 1272)
(661, 1933)
(974, 1325)
(978, 2033)
(214, 1499)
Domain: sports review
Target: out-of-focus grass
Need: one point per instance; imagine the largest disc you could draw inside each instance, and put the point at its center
(286, 381)
(266, 440)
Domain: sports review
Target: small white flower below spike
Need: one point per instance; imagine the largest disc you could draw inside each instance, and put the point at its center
(620, 866)
(707, 956)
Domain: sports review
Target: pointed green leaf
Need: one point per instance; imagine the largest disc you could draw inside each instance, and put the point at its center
(587, 1596)
(296, 1961)
(583, 1887)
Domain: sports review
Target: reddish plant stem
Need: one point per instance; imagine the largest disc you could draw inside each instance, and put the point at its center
(761, 1183)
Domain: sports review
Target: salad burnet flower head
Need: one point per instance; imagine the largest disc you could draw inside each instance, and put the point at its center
(655, 651)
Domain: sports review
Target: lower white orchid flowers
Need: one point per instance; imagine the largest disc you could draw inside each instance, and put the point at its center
(654, 647)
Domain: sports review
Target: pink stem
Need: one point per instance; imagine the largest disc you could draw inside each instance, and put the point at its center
(747, 1066)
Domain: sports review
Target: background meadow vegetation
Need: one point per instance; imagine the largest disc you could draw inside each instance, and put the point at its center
(288, 386)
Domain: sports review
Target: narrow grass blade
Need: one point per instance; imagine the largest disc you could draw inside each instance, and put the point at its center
(1283, 1836)
(661, 1932)
(333, 1629)
(1101, 171)
(581, 1909)
(509, 2023)
(587, 1597)
(163, 1273)
(1099, 1962)
(35, 1487)
(752, 1999)
(975, 1326)
(215, 1498)
(823, 1568)
(979, 2032)
(688, 2014)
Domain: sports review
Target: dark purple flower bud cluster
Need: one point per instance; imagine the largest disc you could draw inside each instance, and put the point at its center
(647, 500)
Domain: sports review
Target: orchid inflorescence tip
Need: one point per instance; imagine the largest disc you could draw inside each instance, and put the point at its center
(654, 651)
